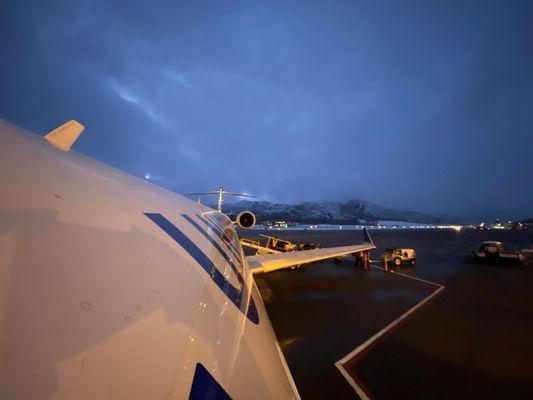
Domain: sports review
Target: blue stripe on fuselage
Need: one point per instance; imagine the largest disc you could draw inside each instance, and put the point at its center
(215, 245)
(222, 222)
(236, 296)
(205, 386)
(219, 230)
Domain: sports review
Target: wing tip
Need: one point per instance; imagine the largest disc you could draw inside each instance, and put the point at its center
(367, 237)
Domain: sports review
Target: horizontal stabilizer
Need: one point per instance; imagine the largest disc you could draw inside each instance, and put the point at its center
(65, 136)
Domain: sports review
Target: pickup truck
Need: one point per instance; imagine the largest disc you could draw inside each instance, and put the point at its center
(492, 252)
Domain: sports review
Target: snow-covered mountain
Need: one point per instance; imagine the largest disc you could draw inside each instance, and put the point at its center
(329, 212)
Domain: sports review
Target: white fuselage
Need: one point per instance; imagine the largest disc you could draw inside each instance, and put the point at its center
(112, 288)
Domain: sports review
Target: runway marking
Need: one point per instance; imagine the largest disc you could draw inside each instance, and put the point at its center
(407, 276)
(369, 342)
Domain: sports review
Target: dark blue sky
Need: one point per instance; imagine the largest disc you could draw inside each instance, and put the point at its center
(419, 105)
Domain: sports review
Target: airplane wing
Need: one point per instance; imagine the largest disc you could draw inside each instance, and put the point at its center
(272, 262)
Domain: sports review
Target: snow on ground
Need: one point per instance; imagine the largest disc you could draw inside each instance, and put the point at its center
(385, 224)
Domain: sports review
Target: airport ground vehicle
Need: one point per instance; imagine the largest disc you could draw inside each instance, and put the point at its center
(492, 252)
(398, 256)
(309, 246)
(275, 245)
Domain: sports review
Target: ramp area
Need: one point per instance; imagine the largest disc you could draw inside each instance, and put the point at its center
(474, 333)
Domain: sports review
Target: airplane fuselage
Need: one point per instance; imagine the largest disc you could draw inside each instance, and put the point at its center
(112, 288)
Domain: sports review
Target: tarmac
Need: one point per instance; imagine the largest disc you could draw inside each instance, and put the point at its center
(442, 329)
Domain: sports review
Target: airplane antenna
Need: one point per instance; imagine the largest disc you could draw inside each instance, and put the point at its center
(220, 192)
(220, 198)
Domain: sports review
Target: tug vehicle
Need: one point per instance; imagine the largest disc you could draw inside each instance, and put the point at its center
(492, 252)
(398, 256)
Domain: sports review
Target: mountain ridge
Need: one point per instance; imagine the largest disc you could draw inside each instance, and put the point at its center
(352, 211)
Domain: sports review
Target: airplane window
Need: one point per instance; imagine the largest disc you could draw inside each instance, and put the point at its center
(228, 234)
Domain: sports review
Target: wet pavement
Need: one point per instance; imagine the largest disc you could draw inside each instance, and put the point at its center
(472, 340)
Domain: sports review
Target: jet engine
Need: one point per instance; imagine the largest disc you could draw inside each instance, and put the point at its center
(245, 220)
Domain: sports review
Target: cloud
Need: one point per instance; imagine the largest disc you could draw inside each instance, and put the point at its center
(412, 105)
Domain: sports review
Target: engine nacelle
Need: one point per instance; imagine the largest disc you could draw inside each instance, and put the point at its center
(245, 220)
